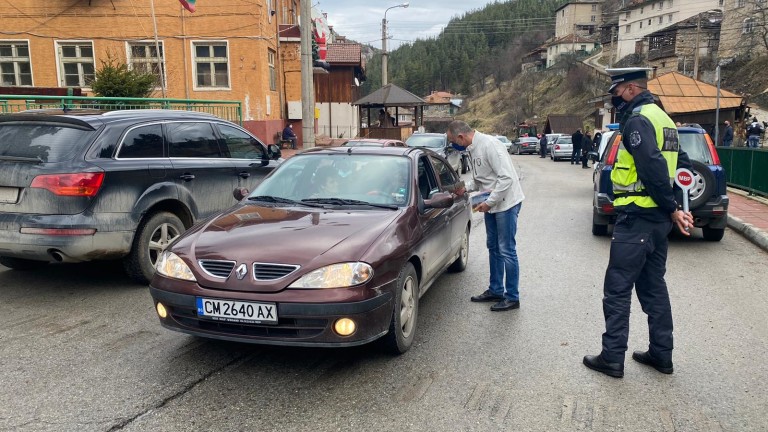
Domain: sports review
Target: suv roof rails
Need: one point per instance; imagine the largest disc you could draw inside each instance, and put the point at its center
(155, 110)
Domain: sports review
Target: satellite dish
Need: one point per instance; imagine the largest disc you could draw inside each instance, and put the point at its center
(357, 82)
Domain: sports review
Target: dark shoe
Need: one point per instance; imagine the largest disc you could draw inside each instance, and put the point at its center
(505, 304)
(646, 358)
(597, 363)
(486, 296)
(585, 167)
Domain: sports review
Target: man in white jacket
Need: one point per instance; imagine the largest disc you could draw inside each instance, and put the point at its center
(493, 172)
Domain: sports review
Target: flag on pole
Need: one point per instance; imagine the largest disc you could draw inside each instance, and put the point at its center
(188, 4)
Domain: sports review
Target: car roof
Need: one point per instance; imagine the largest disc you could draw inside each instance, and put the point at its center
(690, 129)
(373, 140)
(91, 116)
(428, 134)
(367, 150)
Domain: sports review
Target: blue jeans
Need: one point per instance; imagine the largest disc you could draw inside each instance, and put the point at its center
(753, 140)
(500, 229)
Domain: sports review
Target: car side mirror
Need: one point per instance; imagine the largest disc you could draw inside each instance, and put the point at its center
(593, 156)
(439, 200)
(273, 151)
(240, 193)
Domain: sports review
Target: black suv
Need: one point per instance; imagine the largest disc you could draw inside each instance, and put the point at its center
(708, 197)
(86, 185)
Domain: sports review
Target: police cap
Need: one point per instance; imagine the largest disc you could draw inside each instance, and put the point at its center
(620, 75)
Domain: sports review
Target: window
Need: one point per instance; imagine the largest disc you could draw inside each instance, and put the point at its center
(584, 48)
(272, 74)
(142, 142)
(15, 66)
(593, 18)
(563, 13)
(76, 64)
(641, 24)
(594, 8)
(289, 12)
(661, 19)
(739, 3)
(240, 144)
(641, 10)
(142, 56)
(649, 22)
(669, 18)
(192, 140)
(628, 28)
(653, 6)
(627, 15)
(211, 64)
(661, 4)
(748, 26)
(447, 176)
(670, 3)
(427, 181)
(720, 3)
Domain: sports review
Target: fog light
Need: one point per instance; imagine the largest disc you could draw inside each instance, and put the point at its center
(343, 326)
(161, 311)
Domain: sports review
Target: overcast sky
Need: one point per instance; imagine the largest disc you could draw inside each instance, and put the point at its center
(361, 19)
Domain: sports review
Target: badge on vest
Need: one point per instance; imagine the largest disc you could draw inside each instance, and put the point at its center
(634, 139)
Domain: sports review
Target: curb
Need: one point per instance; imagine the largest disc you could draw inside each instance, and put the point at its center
(755, 235)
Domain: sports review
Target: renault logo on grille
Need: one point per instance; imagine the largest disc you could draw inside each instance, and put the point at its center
(241, 271)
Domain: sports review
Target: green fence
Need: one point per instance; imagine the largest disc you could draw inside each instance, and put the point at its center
(228, 110)
(746, 168)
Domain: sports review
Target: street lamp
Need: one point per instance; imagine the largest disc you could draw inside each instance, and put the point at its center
(384, 53)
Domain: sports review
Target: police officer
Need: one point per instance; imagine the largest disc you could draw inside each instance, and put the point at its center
(646, 212)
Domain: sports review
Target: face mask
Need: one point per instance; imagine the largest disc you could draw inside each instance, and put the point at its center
(618, 103)
(458, 147)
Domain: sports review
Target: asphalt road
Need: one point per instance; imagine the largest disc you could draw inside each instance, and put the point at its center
(81, 349)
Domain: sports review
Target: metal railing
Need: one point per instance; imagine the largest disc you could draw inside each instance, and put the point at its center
(746, 168)
(228, 110)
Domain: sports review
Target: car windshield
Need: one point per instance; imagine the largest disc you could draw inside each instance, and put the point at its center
(502, 138)
(339, 179)
(564, 140)
(695, 144)
(42, 142)
(529, 140)
(430, 141)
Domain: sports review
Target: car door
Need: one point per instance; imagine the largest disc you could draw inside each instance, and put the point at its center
(205, 177)
(455, 214)
(247, 154)
(434, 222)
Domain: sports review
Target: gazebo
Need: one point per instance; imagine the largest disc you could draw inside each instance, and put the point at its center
(375, 125)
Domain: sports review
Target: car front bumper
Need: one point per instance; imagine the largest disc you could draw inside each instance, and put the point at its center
(299, 323)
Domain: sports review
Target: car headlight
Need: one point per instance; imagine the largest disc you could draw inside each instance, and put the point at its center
(169, 264)
(340, 275)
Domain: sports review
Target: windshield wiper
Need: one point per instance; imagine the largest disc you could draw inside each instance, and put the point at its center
(279, 200)
(342, 201)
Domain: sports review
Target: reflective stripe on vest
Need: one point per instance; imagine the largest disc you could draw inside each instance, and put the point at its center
(627, 188)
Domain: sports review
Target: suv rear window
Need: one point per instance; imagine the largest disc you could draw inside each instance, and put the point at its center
(45, 142)
(695, 144)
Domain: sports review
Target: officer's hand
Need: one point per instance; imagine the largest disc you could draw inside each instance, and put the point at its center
(683, 220)
(482, 207)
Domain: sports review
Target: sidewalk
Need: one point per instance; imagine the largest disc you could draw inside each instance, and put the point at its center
(748, 215)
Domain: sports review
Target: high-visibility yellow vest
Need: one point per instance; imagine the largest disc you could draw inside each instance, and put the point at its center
(627, 188)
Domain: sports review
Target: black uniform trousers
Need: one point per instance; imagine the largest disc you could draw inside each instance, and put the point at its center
(638, 258)
(576, 154)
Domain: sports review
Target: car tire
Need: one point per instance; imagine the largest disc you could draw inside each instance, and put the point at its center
(713, 234)
(703, 185)
(461, 262)
(405, 312)
(154, 234)
(21, 263)
(518, 151)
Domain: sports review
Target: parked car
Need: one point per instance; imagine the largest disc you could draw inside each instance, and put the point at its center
(82, 185)
(439, 144)
(504, 140)
(373, 142)
(524, 145)
(320, 254)
(561, 148)
(708, 198)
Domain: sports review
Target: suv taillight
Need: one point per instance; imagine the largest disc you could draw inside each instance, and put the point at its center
(80, 184)
(613, 151)
(712, 150)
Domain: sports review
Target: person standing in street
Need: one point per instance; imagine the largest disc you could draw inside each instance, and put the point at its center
(646, 213)
(290, 135)
(586, 147)
(494, 172)
(753, 133)
(543, 146)
(728, 134)
(576, 139)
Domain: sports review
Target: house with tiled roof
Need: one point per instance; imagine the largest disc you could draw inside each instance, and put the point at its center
(336, 90)
(570, 44)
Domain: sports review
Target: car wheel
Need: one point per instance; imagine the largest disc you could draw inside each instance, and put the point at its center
(518, 151)
(461, 262)
(21, 263)
(713, 234)
(155, 233)
(405, 313)
(703, 185)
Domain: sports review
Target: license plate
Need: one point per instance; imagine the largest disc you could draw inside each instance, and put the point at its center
(237, 311)
(9, 194)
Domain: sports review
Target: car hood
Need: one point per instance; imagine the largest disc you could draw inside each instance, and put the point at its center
(296, 236)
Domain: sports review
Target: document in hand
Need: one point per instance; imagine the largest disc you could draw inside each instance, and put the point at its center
(477, 198)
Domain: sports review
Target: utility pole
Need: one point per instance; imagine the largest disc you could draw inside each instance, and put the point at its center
(696, 51)
(307, 83)
(613, 44)
(160, 63)
(384, 54)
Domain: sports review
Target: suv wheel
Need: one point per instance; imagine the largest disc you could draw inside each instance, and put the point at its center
(703, 185)
(713, 234)
(21, 263)
(155, 233)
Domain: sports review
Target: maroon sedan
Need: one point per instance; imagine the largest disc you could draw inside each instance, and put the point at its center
(335, 248)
